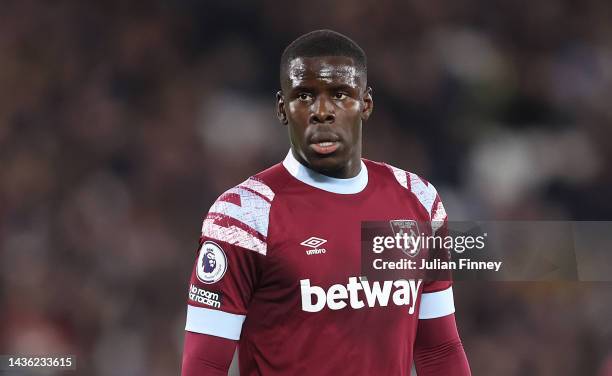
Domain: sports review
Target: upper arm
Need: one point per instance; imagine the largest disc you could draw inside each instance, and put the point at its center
(225, 275)
(437, 295)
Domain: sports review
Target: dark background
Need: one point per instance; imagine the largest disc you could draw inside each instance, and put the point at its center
(121, 123)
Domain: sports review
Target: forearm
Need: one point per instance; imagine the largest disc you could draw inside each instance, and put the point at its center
(438, 350)
(205, 355)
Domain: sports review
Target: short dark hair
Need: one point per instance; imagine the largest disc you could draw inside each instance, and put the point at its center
(323, 43)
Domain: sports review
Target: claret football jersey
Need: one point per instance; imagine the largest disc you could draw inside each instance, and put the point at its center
(279, 270)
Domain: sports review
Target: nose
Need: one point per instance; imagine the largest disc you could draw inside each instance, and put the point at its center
(322, 111)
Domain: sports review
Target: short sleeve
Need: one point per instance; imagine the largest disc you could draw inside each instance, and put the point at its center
(437, 296)
(225, 273)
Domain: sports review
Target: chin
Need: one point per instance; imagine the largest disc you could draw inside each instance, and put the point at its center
(327, 165)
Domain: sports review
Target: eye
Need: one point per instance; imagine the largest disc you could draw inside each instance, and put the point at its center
(304, 97)
(340, 95)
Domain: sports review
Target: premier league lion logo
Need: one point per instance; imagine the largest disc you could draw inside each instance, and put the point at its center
(212, 263)
(209, 262)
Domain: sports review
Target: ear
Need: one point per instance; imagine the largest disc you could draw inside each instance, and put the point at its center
(280, 108)
(368, 104)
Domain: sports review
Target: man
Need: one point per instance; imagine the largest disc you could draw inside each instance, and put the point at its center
(286, 285)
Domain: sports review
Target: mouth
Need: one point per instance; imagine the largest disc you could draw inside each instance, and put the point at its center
(327, 147)
(324, 145)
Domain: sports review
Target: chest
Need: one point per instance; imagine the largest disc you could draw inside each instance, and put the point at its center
(320, 238)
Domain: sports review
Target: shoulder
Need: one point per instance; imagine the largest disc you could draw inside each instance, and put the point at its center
(240, 215)
(420, 188)
(275, 178)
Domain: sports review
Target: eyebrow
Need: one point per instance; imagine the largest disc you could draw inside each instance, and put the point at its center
(300, 88)
(333, 86)
(343, 86)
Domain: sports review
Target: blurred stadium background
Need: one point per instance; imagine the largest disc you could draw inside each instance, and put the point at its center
(121, 123)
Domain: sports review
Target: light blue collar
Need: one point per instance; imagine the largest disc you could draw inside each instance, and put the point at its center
(326, 183)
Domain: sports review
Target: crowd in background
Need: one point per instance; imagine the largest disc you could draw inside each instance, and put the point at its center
(121, 123)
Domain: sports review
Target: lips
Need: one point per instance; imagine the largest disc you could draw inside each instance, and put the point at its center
(324, 143)
(325, 147)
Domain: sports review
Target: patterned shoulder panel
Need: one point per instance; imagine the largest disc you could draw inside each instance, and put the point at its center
(240, 216)
(425, 192)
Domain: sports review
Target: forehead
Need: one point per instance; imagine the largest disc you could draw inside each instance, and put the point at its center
(326, 70)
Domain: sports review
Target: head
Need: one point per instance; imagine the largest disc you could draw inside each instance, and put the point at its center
(324, 100)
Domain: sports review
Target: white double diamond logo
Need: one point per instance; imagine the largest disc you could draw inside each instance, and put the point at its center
(313, 242)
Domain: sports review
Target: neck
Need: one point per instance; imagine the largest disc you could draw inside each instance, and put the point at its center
(346, 171)
(349, 170)
(349, 185)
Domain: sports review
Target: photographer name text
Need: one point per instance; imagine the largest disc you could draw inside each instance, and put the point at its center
(461, 264)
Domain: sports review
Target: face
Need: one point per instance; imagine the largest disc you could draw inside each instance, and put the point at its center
(323, 102)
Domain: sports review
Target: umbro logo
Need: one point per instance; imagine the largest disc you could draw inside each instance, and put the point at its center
(314, 242)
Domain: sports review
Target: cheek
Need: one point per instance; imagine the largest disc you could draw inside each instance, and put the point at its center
(352, 111)
(352, 108)
(355, 106)
(351, 114)
(295, 110)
